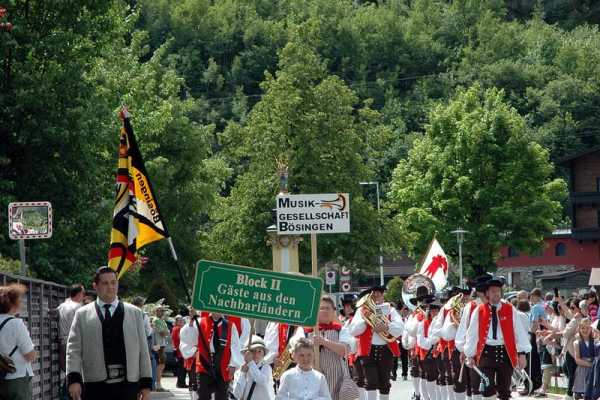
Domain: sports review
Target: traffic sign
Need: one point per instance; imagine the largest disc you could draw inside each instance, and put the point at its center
(313, 213)
(346, 286)
(330, 278)
(30, 220)
(257, 293)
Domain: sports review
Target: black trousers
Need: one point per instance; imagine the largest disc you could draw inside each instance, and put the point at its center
(534, 367)
(460, 384)
(415, 367)
(112, 391)
(358, 375)
(181, 373)
(570, 368)
(498, 368)
(377, 368)
(404, 360)
(429, 368)
(207, 385)
(444, 369)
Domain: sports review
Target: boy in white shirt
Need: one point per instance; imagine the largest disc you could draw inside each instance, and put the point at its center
(254, 381)
(303, 382)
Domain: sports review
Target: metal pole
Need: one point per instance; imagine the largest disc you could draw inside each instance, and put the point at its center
(313, 253)
(381, 280)
(23, 257)
(460, 266)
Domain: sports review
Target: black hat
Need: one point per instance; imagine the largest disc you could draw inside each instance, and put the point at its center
(481, 282)
(457, 290)
(421, 295)
(433, 305)
(364, 293)
(378, 288)
(495, 281)
(446, 294)
(348, 299)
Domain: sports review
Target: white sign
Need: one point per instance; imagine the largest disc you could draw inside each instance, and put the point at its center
(330, 278)
(30, 220)
(346, 286)
(313, 213)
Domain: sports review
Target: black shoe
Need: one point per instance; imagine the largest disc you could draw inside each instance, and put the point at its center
(184, 386)
(404, 377)
(394, 377)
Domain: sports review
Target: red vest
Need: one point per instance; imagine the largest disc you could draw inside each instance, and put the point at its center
(445, 345)
(203, 357)
(505, 318)
(364, 344)
(421, 352)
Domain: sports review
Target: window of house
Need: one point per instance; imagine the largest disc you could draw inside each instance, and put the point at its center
(512, 252)
(560, 249)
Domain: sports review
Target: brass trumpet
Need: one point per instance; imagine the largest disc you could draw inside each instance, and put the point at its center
(375, 316)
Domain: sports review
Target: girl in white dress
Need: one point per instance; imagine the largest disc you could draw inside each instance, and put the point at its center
(302, 382)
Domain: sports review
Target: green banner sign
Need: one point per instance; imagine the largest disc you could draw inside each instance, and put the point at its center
(257, 293)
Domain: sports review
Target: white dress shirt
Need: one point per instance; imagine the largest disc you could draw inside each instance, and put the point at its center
(521, 335)
(13, 334)
(297, 384)
(272, 340)
(260, 373)
(422, 341)
(112, 308)
(395, 328)
(461, 331)
(188, 339)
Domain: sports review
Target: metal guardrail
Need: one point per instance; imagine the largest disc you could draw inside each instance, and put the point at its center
(39, 313)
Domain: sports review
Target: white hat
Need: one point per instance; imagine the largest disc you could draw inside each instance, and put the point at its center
(258, 343)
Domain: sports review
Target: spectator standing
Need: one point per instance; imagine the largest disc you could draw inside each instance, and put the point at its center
(592, 303)
(66, 313)
(16, 343)
(175, 337)
(107, 350)
(161, 331)
(537, 314)
(585, 350)
(404, 313)
(569, 335)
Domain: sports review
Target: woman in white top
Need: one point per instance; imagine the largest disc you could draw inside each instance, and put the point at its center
(303, 382)
(16, 342)
(254, 381)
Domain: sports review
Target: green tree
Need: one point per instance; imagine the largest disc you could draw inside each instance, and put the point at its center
(477, 168)
(394, 290)
(314, 122)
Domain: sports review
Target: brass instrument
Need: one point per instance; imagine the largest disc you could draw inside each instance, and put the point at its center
(456, 306)
(375, 316)
(409, 289)
(285, 360)
(521, 381)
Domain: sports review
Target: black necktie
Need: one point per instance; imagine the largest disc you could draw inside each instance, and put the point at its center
(494, 323)
(106, 312)
(215, 340)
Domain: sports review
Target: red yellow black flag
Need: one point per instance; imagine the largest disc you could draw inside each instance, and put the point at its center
(137, 220)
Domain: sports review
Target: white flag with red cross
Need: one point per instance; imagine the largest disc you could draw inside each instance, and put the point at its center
(435, 265)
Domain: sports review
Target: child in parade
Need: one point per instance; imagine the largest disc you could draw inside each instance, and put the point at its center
(254, 381)
(303, 382)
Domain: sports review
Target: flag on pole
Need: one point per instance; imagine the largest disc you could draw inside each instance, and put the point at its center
(137, 220)
(435, 265)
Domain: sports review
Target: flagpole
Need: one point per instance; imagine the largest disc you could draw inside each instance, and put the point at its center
(179, 272)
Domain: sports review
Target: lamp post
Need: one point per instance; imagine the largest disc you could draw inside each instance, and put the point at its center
(376, 184)
(460, 238)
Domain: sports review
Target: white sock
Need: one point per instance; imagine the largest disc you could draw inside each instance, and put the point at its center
(476, 397)
(450, 390)
(362, 394)
(490, 398)
(371, 394)
(460, 396)
(431, 390)
(439, 392)
(423, 389)
(417, 386)
(384, 396)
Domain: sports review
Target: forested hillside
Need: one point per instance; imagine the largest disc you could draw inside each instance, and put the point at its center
(343, 91)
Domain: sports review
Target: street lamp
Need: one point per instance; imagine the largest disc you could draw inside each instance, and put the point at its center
(460, 238)
(376, 184)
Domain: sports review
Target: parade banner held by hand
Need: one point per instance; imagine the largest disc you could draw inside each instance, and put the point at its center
(257, 293)
(435, 265)
(137, 220)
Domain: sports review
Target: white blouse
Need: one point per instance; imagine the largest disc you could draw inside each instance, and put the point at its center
(261, 374)
(297, 384)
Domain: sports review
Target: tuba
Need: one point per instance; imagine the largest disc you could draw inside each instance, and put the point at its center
(410, 285)
(456, 306)
(375, 316)
(285, 360)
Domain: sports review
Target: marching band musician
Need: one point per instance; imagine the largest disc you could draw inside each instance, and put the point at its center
(376, 354)
(496, 341)
(278, 338)
(470, 380)
(348, 310)
(217, 357)
(409, 338)
(426, 342)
